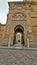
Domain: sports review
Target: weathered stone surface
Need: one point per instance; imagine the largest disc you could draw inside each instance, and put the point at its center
(21, 15)
(18, 57)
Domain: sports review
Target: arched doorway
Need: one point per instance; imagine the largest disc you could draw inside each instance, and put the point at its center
(18, 36)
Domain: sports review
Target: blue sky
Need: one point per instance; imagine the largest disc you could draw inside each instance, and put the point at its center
(4, 10)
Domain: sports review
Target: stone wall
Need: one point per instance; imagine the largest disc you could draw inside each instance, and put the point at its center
(23, 14)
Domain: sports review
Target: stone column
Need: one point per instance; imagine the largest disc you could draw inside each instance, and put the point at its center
(9, 42)
(27, 42)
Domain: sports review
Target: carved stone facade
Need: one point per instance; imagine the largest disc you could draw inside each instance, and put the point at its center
(21, 24)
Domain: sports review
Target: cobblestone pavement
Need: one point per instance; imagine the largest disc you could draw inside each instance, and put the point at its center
(18, 57)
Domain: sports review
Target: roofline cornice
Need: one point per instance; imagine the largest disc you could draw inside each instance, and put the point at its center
(2, 24)
(24, 2)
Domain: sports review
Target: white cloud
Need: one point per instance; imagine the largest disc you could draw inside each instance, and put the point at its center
(3, 11)
(3, 18)
(14, 0)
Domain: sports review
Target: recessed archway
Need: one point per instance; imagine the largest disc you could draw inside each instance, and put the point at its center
(18, 35)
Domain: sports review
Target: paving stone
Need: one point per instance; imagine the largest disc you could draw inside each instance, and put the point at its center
(18, 57)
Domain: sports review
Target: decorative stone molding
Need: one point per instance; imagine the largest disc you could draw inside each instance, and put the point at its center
(19, 16)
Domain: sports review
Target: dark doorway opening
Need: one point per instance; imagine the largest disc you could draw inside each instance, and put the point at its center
(18, 35)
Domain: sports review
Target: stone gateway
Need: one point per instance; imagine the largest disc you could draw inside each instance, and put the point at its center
(21, 26)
